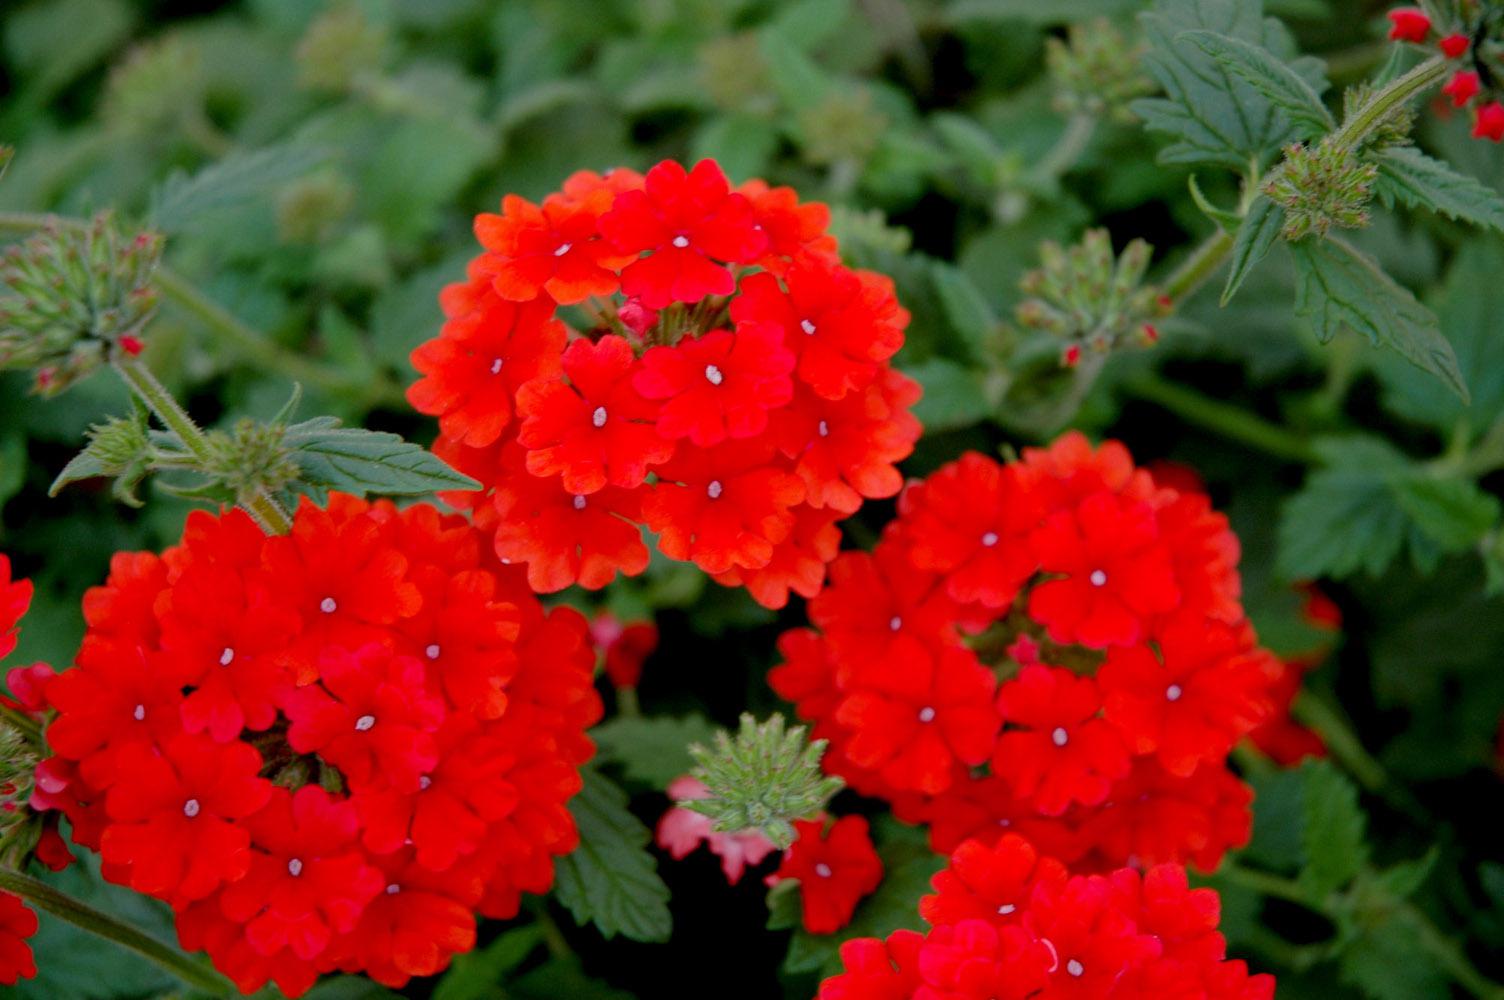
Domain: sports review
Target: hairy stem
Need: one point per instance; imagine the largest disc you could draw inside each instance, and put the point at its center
(44, 897)
(1367, 118)
(259, 504)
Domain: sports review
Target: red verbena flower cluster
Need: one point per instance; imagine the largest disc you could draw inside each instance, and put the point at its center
(326, 750)
(1007, 923)
(17, 923)
(836, 866)
(1469, 85)
(663, 350)
(1053, 646)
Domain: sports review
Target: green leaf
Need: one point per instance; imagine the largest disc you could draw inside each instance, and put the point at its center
(1454, 513)
(1226, 219)
(1407, 175)
(965, 308)
(1333, 836)
(610, 879)
(953, 396)
(1382, 955)
(1212, 114)
(742, 144)
(560, 978)
(1337, 287)
(652, 750)
(354, 460)
(1034, 11)
(1269, 76)
(342, 988)
(239, 179)
(1259, 230)
(478, 975)
(800, 82)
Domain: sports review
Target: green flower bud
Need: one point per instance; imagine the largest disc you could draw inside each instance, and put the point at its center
(156, 87)
(339, 46)
(1091, 298)
(1096, 71)
(1320, 188)
(845, 127)
(310, 208)
(735, 74)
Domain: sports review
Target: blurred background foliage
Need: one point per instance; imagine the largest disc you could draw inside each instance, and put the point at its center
(315, 168)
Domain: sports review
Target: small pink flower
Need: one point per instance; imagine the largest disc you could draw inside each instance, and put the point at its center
(682, 830)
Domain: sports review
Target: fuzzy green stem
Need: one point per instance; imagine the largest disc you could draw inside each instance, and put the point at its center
(1365, 119)
(1229, 421)
(259, 504)
(44, 897)
(1068, 148)
(1267, 884)
(22, 723)
(1198, 268)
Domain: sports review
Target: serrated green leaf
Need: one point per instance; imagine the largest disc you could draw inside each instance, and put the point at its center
(1212, 114)
(965, 308)
(1226, 219)
(954, 396)
(652, 750)
(1454, 513)
(560, 978)
(1404, 880)
(741, 143)
(783, 905)
(1269, 76)
(354, 460)
(1333, 835)
(1409, 176)
(479, 975)
(1344, 518)
(1259, 230)
(611, 880)
(1337, 287)
(800, 82)
(1383, 956)
(238, 179)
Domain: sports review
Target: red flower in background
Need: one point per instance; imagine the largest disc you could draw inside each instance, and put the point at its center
(836, 868)
(1408, 24)
(17, 923)
(15, 598)
(624, 646)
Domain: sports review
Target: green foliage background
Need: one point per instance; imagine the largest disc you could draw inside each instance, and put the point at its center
(316, 167)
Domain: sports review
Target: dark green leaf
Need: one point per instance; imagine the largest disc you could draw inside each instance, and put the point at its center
(965, 308)
(478, 975)
(1332, 837)
(953, 396)
(1212, 114)
(1407, 175)
(354, 460)
(1051, 12)
(611, 880)
(1269, 76)
(1384, 957)
(1346, 517)
(562, 978)
(1226, 219)
(652, 750)
(238, 179)
(1256, 235)
(1337, 287)
(1454, 513)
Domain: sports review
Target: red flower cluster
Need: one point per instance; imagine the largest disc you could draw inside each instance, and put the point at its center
(17, 923)
(836, 866)
(15, 598)
(1054, 646)
(1009, 924)
(725, 383)
(1411, 24)
(327, 750)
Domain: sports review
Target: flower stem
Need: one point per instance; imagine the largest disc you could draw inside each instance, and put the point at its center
(1348, 749)
(1364, 120)
(259, 504)
(59, 904)
(1222, 418)
(22, 723)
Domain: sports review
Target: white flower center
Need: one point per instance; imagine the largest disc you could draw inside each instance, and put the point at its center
(598, 418)
(895, 623)
(226, 657)
(989, 539)
(713, 375)
(1075, 968)
(1006, 909)
(139, 713)
(714, 490)
(824, 429)
(1098, 578)
(190, 808)
(681, 242)
(496, 366)
(579, 502)
(822, 870)
(393, 889)
(1060, 737)
(807, 327)
(294, 867)
(433, 651)
(328, 605)
(562, 249)
(424, 782)
(926, 714)
(1173, 692)
(364, 723)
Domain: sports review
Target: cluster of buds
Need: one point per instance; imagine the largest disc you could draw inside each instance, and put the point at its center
(1320, 187)
(72, 296)
(1092, 299)
(1471, 34)
(1096, 72)
(763, 779)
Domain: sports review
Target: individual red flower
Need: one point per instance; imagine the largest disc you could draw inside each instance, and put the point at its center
(473, 369)
(723, 507)
(1069, 470)
(173, 825)
(1462, 87)
(307, 880)
(971, 522)
(1190, 699)
(464, 635)
(876, 970)
(795, 231)
(989, 883)
(1063, 751)
(1408, 24)
(1107, 571)
(1489, 123)
(979, 960)
(839, 324)
(596, 429)
(15, 598)
(688, 220)
(798, 563)
(836, 868)
(719, 385)
(1094, 942)
(1279, 736)
(986, 809)
(1454, 46)
(624, 646)
(1155, 817)
(680, 831)
(17, 923)
(28, 688)
(919, 724)
(203, 927)
(370, 716)
(553, 248)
